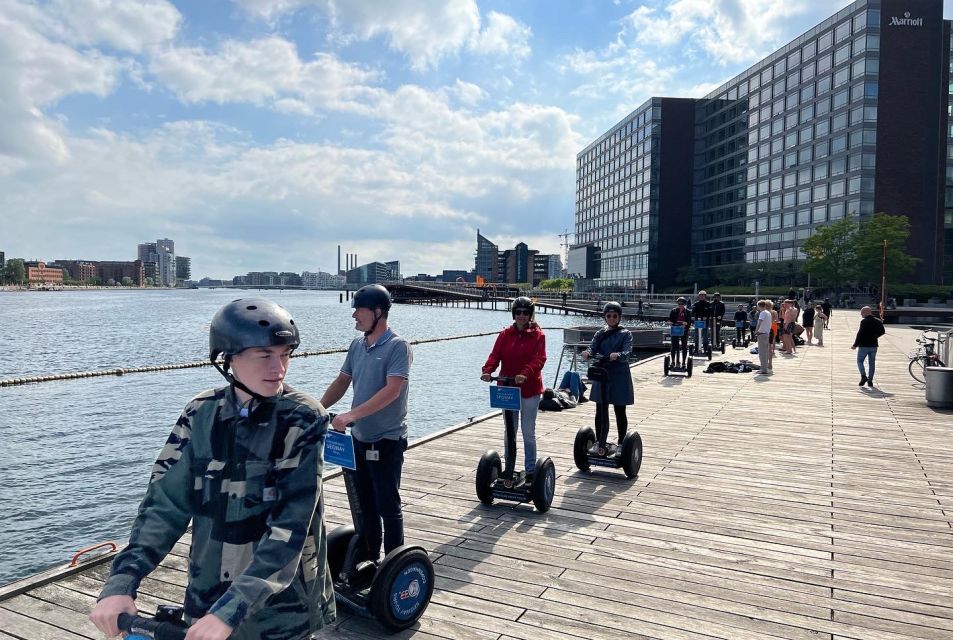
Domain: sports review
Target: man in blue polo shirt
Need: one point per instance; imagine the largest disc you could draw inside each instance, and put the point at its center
(378, 364)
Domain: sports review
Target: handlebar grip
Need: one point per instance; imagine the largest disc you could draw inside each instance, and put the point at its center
(150, 627)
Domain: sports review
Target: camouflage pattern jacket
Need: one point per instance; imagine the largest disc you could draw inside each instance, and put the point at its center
(252, 488)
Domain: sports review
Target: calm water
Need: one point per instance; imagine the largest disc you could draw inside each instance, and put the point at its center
(77, 453)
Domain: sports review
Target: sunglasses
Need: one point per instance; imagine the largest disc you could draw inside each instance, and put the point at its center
(522, 312)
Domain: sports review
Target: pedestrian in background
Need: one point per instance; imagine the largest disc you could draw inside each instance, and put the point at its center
(820, 323)
(866, 343)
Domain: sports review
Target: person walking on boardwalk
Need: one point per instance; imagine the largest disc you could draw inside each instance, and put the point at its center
(820, 323)
(613, 341)
(807, 320)
(681, 317)
(244, 465)
(763, 332)
(378, 365)
(520, 353)
(828, 308)
(866, 343)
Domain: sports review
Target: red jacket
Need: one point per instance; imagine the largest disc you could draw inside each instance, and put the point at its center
(520, 353)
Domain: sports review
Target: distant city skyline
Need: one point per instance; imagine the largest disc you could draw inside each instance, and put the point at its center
(260, 134)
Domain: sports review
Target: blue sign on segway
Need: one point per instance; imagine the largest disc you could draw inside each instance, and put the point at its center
(505, 397)
(339, 449)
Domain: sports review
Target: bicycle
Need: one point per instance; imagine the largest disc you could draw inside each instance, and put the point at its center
(925, 356)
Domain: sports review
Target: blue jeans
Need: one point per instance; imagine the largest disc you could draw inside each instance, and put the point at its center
(378, 487)
(526, 418)
(870, 354)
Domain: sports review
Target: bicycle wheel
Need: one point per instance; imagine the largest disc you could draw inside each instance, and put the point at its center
(916, 369)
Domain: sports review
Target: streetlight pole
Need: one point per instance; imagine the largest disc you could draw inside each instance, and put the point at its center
(883, 281)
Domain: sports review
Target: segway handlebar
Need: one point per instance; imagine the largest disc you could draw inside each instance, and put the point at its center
(503, 379)
(158, 628)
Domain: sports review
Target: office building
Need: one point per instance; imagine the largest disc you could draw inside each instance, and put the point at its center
(183, 268)
(373, 273)
(848, 119)
(487, 261)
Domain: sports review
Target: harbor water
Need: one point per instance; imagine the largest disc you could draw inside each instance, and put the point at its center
(77, 453)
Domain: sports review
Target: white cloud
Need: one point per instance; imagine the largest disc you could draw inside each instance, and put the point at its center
(36, 72)
(262, 71)
(127, 25)
(503, 35)
(426, 31)
(467, 93)
(730, 31)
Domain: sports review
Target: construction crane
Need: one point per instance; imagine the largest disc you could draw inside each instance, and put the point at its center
(564, 245)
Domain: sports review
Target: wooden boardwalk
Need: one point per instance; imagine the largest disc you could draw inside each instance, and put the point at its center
(798, 506)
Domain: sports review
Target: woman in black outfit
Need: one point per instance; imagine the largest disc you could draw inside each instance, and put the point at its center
(807, 321)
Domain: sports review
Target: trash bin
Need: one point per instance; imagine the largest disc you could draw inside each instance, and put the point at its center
(939, 387)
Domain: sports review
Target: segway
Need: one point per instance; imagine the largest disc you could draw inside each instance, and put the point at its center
(716, 335)
(490, 483)
(745, 340)
(671, 367)
(628, 454)
(703, 349)
(394, 590)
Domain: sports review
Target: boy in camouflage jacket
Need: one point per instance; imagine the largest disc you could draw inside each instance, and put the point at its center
(244, 464)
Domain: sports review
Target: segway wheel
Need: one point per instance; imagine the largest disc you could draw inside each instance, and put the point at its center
(631, 454)
(544, 484)
(688, 368)
(585, 438)
(667, 365)
(402, 588)
(487, 473)
(338, 541)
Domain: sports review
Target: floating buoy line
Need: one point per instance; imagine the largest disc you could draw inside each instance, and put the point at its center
(121, 371)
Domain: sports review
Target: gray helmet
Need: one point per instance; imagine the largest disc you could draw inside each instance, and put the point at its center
(612, 306)
(372, 296)
(250, 322)
(522, 303)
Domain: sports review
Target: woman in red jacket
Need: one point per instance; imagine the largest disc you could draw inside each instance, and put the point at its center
(520, 352)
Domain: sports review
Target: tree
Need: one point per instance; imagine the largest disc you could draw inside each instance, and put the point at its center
(868, 245)
(14, 271)
(558, 284)
(831, 254)
(126, 281)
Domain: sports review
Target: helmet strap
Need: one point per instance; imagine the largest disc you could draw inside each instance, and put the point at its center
(235, 382)
(377, 318)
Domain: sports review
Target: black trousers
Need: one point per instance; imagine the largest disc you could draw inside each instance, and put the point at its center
(676, 341)
(602, 422)
(378, 488)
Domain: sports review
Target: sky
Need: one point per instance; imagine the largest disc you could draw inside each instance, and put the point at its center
(261, 134)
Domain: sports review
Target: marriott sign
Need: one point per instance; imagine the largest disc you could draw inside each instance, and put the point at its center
(905, 21)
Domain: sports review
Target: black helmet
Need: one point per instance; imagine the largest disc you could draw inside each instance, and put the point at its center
(250, 322)
(372, 296)
(612, 306)
(523, 303)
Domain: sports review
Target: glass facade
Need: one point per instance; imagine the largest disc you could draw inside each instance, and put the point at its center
(617, 197)
(788, 145)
